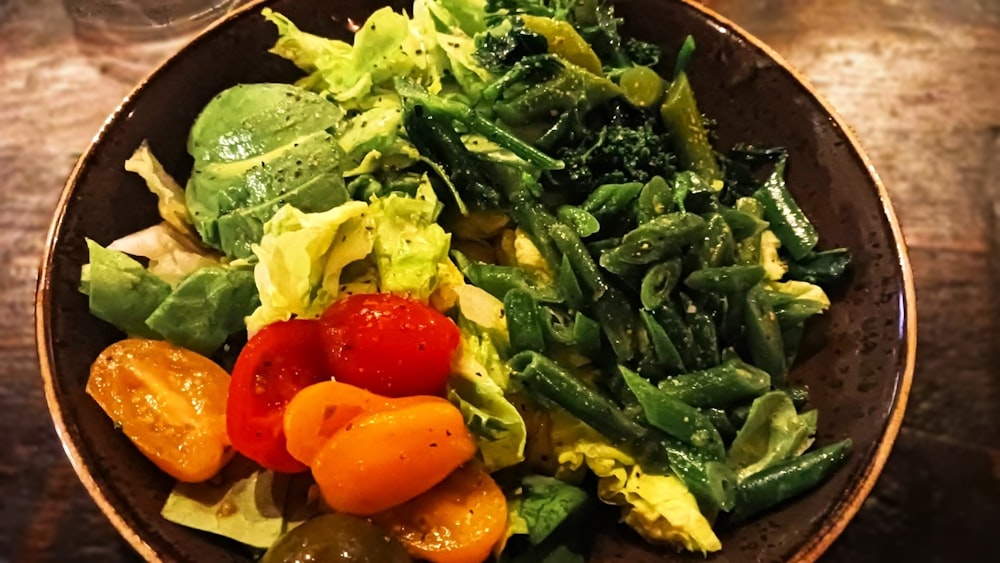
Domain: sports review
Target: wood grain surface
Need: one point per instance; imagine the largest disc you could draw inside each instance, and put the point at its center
(919, 81)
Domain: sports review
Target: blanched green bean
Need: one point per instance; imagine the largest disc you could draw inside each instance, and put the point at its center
(787, 220)
(730, 383)
(524, 323)
(658, 282)
(764, 335)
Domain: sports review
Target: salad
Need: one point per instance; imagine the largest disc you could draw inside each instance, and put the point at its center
(482, 272)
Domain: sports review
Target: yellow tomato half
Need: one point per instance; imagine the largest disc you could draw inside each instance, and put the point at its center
(171, 402)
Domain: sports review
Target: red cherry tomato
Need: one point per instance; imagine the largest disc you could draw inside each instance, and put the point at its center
(389, 345)
(278, 362)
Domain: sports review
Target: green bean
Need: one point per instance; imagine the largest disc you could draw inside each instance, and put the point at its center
(774, 485)
(584, 223)
(738, 415)
(587, 335)
(725, 279)
(655, 199)
(524, 323)
(610, 199)
(674, 417)
(557, 326)
(678, 331)
(706, 343)
(659, 281)
(661, 237)
(568, 285)
(583, 264)
(721, 386)
(787, 220)
(617, 318)
(544, 378)
(763, 335)
(533, 218)
(722, 424)
(682, 119)
(689, 188)
(665, 351)
(719, 248)
(748, 249)
(711, 482)
(498, 280)
(750, 206)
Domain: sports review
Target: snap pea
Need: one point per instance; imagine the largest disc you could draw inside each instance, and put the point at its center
(567, 241)
(524, 323)
(764, 335)
(582, 221)
(663, 348)
(674, 417)
(658, 282)
(786, 218)
(725, 279)
(655, 199)
(498, 280)
(682, 119)
(730, 383)
(774, 485)
(719, 248)
(661, 237)
(610, 199)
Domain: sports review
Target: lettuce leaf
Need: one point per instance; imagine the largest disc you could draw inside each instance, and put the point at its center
(172, 254)
(409, 244)
(121, 291)
(477, 388)
(658, 507)
(169, 194)
(205, 308)
(545, 503)
(772, 433)
(301, 256)
(248, 504)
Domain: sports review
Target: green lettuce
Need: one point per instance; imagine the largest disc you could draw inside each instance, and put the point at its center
(544, 503)
(169, 194)
(659, 507)
(172, 254)
(477, 388)
(257, 147)
(772, 433)
(409, 245)
(301, 257)
(244, 502)
(121, 291)
(205, 308)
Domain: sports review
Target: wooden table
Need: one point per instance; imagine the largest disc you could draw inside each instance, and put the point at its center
(918, 79)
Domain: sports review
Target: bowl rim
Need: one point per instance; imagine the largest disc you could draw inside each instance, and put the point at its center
(835, 521)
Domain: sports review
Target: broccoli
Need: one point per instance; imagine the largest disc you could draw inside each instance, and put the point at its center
(497, 10)
(630, 147)
(642, 53)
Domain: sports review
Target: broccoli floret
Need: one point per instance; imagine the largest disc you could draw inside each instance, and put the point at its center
(630, 147)
(496, 10)
(642, 53)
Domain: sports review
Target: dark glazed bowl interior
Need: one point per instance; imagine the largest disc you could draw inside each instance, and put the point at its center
(861, 357)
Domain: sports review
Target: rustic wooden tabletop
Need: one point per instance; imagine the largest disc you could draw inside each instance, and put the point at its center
(918, 80)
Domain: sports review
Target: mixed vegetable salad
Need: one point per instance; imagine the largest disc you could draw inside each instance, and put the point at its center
(489, 271)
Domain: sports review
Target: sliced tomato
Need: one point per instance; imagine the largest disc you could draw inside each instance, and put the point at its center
(278, 362)
(389, 345)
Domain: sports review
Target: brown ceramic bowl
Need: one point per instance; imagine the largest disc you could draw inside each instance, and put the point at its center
(859, 377)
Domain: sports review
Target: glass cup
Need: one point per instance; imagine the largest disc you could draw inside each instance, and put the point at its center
(121, 21)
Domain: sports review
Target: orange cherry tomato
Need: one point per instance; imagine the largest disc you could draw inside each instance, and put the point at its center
(457, 521)
(171, 402)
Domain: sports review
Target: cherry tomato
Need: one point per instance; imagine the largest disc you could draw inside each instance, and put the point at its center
(169, 401)
(388, 344)
(278, 362)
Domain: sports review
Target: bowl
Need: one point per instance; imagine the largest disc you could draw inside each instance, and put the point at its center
(859, 377)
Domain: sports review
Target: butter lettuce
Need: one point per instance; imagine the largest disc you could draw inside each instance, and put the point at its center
(300, 259)
(169, 194)
(772, 433)
(172, 254)
(257, 147)
(409, 245)
(658, 507)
